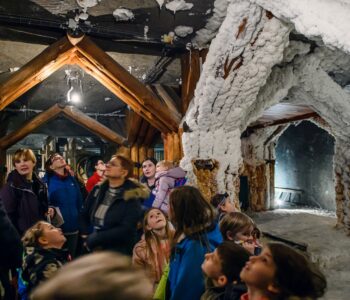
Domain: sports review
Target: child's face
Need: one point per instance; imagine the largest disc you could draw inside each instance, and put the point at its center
(259, 271)
(227, 206)
(211, 266)
(161, 168)
(155, 220)
(244, 235)
(52, 236)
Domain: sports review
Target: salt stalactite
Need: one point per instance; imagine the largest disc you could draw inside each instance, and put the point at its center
(249, 43)
(160, 3)
(183, 31)
(123, 14)
(177, 5)
(87, 3)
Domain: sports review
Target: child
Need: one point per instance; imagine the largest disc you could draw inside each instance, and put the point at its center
(153, 251)
(166, 176)
(280, 272)
(196, 234)
(222, 267)
(223, 204)
(43, 253)
(238, 227)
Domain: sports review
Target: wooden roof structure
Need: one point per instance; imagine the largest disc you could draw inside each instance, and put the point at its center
(147, 108)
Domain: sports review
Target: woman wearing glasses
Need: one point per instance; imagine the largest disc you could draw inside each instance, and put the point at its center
(24, 195)
(113, 209)
(64, 193)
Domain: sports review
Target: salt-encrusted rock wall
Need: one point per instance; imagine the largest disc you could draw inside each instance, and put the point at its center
(250, 67)
(249, 43)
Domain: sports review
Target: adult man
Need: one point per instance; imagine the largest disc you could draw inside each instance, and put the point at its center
(97, 176)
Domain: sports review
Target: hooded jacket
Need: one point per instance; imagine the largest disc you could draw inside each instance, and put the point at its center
(25, 202)
(186, 280)
(165, 181)
(120, 222)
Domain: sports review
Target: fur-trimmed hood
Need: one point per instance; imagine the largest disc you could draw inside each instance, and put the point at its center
(139, 191)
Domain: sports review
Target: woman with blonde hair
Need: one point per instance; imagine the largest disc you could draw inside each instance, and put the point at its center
(152, 252)
(25, 195)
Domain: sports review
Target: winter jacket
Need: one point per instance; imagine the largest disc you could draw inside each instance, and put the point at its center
(92, 181)
(119, 230)
(40, 264)
(154, 268)
(25, 202)
(10, 243)
(186, 280)
(165, 181)
(229, 292)
(64, 193)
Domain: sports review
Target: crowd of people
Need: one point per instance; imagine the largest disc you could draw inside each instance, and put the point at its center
(154, 239)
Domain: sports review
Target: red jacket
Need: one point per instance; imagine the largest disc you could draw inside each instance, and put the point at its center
(92, 181)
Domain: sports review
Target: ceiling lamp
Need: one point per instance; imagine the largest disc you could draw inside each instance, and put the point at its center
(75, 91)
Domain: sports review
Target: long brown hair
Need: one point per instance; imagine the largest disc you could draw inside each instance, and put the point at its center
(190, 213)
(295, 274)
(153, 239)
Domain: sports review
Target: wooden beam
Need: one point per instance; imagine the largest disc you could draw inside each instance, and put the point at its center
(134, 155)
(133, 124)
(168, 101)
(120, 93)
(147, 102)
(74, 114)
(42, 118)
(190, 72)
(35, 71)
(283, 121)
(142, 133)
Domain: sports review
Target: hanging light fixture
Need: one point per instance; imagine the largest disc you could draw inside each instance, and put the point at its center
(75, 91)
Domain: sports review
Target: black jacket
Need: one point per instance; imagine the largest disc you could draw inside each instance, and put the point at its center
(10, 243)
(229, 292)
(120, 222)
(25, 202)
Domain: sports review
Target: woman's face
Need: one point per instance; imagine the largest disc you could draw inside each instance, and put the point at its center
(149, 169)
(114, 169)
(57, 162)
(155, 220)
(24, 167)
(259, 271)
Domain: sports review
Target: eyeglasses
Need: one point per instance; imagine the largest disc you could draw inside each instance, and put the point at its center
(56, 157)
(112, 163)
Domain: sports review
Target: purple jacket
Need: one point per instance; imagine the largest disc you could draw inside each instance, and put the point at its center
(165, 181)
(25, 202)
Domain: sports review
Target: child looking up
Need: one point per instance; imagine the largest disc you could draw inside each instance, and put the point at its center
(222, 267)
(238, 227)
(223, 204)
(152, 252)
(43, 253)
(280, 272)
(166, 176)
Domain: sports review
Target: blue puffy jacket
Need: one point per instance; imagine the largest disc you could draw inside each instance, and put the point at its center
(186, 280)
(64, 193)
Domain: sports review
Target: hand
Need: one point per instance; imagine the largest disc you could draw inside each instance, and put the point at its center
(249, 246)
(51, 212)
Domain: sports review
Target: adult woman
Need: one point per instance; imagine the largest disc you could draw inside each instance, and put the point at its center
(25, 195)
(64, 193)
(113, 208)
(196, 234)
(149, 178)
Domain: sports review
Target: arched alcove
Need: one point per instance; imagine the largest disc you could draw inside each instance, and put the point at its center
(304, 168)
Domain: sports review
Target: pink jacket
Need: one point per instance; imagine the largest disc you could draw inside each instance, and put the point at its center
(165, 181)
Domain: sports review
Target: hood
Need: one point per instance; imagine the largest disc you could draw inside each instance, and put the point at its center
(138, 190)
(174, 173)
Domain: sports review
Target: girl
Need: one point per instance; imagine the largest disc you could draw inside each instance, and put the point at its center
(166, 176)
(43, 253)
(280, 272)
(196, 234)
(24, 195)
(149, 178)
(238, 227)
(222, 268)
(113, 209)
(223, 205)
(153, 251)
